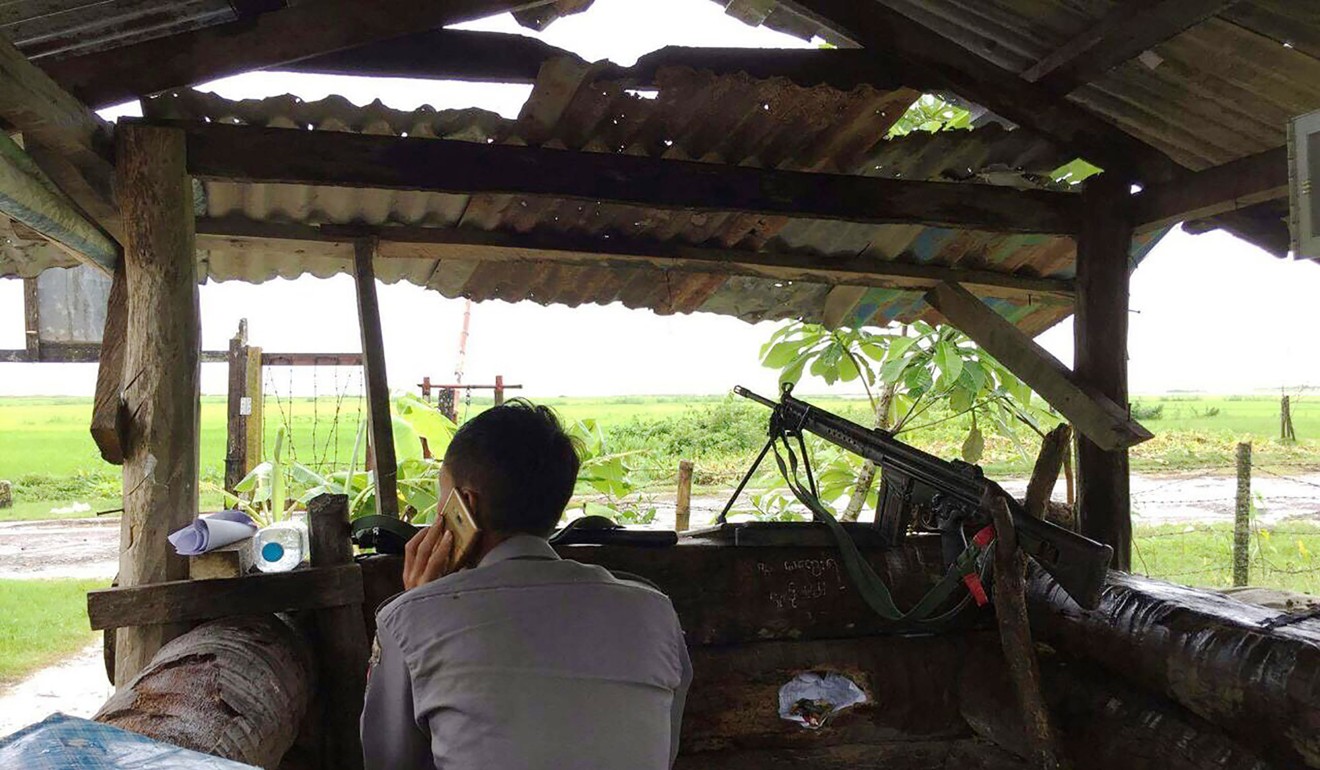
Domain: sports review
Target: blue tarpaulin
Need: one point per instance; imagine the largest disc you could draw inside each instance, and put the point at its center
(68, 743)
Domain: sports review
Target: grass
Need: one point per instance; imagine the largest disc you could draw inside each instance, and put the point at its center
(43, 621)
(1284, 556)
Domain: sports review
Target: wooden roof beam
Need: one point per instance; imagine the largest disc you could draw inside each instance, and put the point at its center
(1091, 413)
(116, 75)
(452, 54)
(67, 141)
(1122, 35)
(1229, 187)
(341, 159)
(406, 242)
(926, 57)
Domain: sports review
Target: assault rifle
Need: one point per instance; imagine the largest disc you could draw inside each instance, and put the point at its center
(919, 490)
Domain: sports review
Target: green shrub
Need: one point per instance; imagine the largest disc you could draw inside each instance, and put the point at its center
(1142, 411)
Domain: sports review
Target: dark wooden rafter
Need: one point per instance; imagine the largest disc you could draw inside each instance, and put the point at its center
(925, 56)
(69, 143)
(406, 242)
(121, 74)
(279, 155)
(1218, 190)
(1120, 36)
(1094, 414)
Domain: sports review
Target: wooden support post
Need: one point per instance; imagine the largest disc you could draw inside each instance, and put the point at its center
(1286, 432)
(1242, 518)
(255, 427)
(683, 504)
(378, 389)
(31, 320)
(1015, 638)
(426, 389)
(1053, 451)
(1100, 332)
(161, 364)
(342, 636)
(109, 420)
(237, 410)
(499, 389)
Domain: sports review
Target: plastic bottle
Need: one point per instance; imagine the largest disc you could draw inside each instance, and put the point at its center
(281, 546)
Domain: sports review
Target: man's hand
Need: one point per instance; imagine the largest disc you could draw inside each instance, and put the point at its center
(427, 556)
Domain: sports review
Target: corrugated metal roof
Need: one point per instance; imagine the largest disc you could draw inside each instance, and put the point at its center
(731, 119)
(694, 116)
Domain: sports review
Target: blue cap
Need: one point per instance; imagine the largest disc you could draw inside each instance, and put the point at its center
(272, 551)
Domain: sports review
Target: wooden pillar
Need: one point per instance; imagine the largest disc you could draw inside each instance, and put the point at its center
(255, 427)
(31, 320)
(426, 389)
(161, 367)
(381, 447)
(683, 502)
(342, 639)
(499, 389)
(1100, 333)
(236, 413)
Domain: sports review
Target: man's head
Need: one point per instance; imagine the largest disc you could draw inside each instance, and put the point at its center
(515, 466)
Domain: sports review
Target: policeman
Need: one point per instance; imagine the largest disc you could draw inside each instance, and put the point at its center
(522, 659)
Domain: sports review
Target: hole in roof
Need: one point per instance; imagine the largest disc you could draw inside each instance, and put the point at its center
(403, 134)
(1134, 189)
(1287, 44)
(643, 93)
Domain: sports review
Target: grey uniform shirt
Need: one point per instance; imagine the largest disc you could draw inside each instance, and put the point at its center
(526, 661)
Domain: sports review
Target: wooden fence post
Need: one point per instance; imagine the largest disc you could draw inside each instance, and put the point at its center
(343, 648)
(499, 389)
(683, 505)
(1286, 432)
(162, 358)
(236, 412)
(1242, 518)
(426, 389)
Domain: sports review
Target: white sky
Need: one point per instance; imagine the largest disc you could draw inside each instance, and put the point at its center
(1210, 312)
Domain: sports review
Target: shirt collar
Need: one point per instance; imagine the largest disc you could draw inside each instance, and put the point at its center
(519, 546)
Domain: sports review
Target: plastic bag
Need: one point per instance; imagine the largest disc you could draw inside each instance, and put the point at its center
(65, 742)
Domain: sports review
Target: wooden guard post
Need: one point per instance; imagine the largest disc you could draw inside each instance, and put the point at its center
(342, 639)
(683, 503)
(378, 389)
(161, 372)
(1100, 330)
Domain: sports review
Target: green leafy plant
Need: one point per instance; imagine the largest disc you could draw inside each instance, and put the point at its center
(907, 373)
(610, 475)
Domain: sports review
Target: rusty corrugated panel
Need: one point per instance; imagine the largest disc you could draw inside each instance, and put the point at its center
(55, 28)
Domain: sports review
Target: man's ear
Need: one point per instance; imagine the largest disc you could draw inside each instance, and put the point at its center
(472, 500)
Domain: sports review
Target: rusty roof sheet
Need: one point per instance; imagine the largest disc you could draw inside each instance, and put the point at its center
(699, 116)
(55, 28)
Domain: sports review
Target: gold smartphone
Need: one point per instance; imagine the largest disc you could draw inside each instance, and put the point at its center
(456, 518)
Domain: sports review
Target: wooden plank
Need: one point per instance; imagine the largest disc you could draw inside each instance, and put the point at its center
(407, 242)
(121, 74)
(69, 142)
(177, 601)
(1100, 353)
(161, 351)
(280, 155)
(453, 54)
(342, 635)
(1123, 34)
(30, 198)
(109, 420)
(1092, 413)
(236, 417)
(927, 57)
(379, 423)
(726, 594)
(1218, 190)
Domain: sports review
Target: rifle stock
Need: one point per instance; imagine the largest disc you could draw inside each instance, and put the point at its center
(913, 479)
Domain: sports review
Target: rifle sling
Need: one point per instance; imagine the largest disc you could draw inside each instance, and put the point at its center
(974, 560)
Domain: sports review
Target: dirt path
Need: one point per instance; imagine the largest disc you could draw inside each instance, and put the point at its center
(76, 686)
(65, 548)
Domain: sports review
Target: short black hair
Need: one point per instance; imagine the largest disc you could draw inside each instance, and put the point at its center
(521, 464)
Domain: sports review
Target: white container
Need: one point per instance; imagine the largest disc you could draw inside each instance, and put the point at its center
(281, 546)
